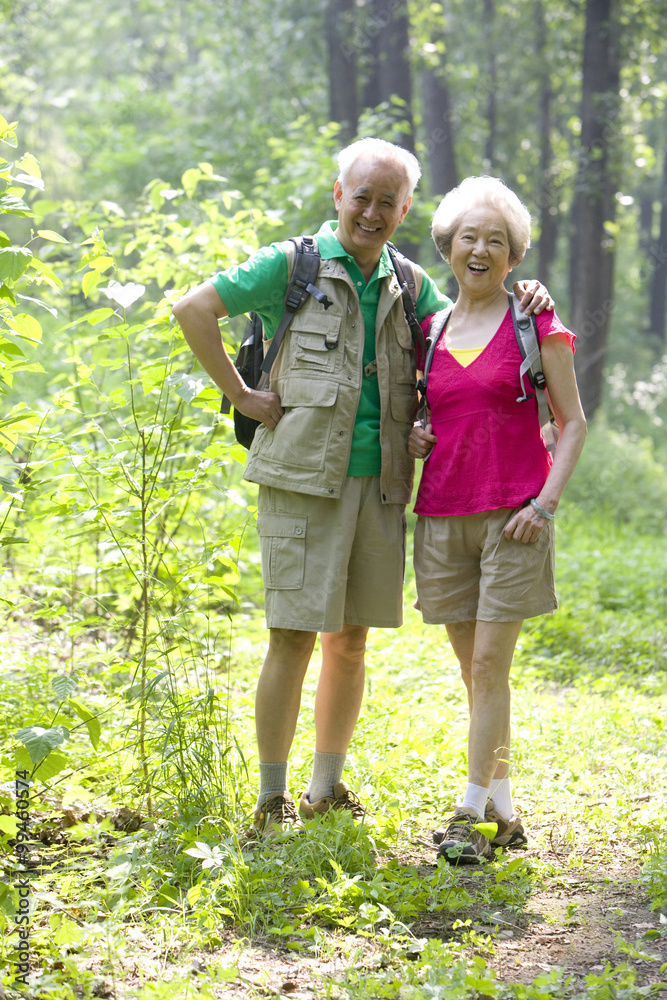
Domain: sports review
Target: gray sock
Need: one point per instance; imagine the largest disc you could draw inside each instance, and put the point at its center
(327, 771)
(272, 780)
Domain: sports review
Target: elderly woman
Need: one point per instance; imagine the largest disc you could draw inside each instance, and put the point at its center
(484, 541)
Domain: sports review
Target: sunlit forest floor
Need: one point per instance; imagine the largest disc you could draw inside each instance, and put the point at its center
(165, 898)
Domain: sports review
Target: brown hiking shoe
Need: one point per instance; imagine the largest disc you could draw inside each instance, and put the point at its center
(462, 843)
(343, 798)
(510, 831)
(277, 814)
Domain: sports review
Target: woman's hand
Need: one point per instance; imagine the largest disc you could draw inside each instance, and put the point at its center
(421, 441)
(525, 526)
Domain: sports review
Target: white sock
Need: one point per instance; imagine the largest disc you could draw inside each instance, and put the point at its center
(272, 780)
(475, 798)
(327, 771)
(501, 793)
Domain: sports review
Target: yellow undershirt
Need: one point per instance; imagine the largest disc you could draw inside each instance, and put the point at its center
(466, 355)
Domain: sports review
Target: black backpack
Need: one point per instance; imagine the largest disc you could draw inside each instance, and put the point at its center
(254, 366)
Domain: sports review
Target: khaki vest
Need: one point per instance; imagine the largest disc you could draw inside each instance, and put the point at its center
(318, 373)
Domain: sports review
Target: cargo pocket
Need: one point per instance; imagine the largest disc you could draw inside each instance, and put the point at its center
(283, 546)
(402, 356)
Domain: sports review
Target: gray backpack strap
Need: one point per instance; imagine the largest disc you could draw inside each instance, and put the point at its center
(525, 329)
(438, 324)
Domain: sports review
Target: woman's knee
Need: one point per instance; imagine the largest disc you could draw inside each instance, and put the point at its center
(487, 674)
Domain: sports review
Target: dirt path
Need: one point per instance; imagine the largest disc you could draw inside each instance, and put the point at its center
(581, 923)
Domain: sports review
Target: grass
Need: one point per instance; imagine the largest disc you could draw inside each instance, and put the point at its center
(179, 906)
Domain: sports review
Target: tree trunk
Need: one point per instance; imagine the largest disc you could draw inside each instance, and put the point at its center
(658, 302)
(342, 60)
(492, 83)
(439, 129)
(547, 195)
(592, 251)
(389, 76)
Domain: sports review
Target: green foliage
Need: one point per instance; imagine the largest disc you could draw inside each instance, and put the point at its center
(620, 480)
(611, 584)
(654, 877)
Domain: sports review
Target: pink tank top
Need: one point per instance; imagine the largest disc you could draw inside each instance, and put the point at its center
(489, 452)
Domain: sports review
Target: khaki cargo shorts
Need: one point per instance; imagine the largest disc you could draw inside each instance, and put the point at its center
(327, 563)
(466, 570)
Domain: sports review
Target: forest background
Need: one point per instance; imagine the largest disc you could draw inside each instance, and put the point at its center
(145, 147)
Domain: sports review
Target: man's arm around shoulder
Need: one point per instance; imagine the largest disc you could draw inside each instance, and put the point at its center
(198, 313)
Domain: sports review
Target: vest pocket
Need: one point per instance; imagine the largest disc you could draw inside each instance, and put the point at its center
(401, 355)
(314, 343)
(283, 547)
(300, 441)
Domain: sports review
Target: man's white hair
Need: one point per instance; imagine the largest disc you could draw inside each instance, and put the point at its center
(386, 152)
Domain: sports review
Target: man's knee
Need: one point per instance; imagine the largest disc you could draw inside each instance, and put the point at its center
(290, 640)
(350, 644)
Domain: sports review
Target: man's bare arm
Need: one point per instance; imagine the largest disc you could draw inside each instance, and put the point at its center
(198, 313)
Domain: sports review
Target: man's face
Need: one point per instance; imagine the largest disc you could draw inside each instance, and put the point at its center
(370, 207)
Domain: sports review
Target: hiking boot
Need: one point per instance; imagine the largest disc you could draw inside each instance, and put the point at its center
(343, 799)
(461, 843)
(277, 814)
(510, 831)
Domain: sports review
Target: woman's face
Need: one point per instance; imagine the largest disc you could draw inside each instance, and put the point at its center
(480, 254)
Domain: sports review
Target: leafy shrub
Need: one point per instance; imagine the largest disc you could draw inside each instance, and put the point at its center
(619, 478)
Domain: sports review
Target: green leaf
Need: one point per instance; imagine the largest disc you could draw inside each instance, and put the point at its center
(39, 742)
(89, 281)
(28, 180)
(48, 234)
(38, 302)
(190, 180)
(13, 262)
(8, 131)
(26, 326)
(9, 824)
(102, 263)
(52, 765)
(11, 205)
(488, 830)
(66, 931)
(63, 686)
(91, 720)
(30, 165)
(97, 315)
(191, 386)
(45, 272)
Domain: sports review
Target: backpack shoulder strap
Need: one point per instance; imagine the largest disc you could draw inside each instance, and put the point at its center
(301, 285)
(248, 359)
(437, 327)
(525, 330)
(407, 280)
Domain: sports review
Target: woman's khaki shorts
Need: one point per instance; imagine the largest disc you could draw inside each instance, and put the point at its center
(327, 563)
(467, 570)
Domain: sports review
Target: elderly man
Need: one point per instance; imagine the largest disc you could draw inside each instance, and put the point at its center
(331, 460)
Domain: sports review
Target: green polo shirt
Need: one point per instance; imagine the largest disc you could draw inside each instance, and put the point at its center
(259, 285)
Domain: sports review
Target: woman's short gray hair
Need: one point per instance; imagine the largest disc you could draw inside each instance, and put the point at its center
(379, 149)
(471, 193)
